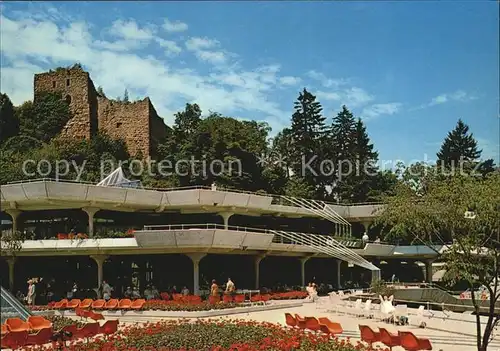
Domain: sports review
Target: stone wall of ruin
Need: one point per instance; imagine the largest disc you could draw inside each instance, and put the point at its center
(128, 121)
(73, 85)
(137, 123)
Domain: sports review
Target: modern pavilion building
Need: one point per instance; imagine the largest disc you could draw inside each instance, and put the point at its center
(189, 236)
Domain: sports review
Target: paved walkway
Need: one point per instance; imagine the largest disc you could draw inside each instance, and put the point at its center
(447, 332)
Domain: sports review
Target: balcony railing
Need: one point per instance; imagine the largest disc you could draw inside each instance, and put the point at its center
(277, 199)
(276, 239)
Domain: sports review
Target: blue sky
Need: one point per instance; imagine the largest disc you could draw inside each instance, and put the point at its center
(409, 69)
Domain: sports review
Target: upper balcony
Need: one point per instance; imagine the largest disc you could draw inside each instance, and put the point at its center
(218, 239)
(44, 194)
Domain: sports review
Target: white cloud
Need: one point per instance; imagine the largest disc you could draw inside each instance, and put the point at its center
(376, 110)
(211, 56)
(170, 46)
(130, 30)
(356, 97)
(201, 48)
(289, 80)
(197, 43)
(176, 26)
(329, 96)
(325, 81)
(351, 97)
(457, 96)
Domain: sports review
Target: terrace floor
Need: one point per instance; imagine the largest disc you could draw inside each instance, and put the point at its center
(447, 332)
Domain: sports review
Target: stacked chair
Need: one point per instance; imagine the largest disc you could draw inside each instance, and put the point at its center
(405, 339)
(37, 330)
(112, 304)
(314, 324)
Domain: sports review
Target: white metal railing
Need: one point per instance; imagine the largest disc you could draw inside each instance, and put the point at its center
(277, 199)
(328, 246)
(279, 239)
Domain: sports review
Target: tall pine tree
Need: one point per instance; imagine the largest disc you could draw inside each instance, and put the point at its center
(459, 146)
(308, 132)
(342, 152)
(366, 169)
(355, 159)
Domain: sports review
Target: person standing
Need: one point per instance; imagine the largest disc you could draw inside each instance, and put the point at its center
(214, 289)
(230, 287)
(31, 293)
(106, 290)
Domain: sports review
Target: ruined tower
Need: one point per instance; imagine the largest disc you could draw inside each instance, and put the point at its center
(137, 123)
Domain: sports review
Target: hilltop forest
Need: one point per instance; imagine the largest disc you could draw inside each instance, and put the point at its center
(30, 131)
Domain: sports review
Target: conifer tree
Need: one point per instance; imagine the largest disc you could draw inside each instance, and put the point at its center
(308, 133)
(459, 146)
(342, 152)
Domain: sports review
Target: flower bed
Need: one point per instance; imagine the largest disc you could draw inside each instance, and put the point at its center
(162, 305)
(213, 335)
(60, 322)
(188, 304)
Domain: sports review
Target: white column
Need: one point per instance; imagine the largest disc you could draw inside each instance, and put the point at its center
(91, 211)
(366, 226)
(14, 214)
(196, 258)
(375, 275)
(339, 262)
(11, 261)
(99, 259)
(225, 216)
(303, 261)
(257, 271)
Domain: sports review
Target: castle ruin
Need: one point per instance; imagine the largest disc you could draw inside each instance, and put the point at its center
(137, 123)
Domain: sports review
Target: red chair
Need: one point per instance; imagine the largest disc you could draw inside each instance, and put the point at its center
(38, 323)
(265, 298)
(388, 339)
(289, 320)
(43, 336)
(301, 322)
(14, 339)
(98, 304)
(81, 313)
(124, 304)
(195, 299)
(95, 316)
(72, 329)
(138, 304)
(312, 324)
(329, 327)
(256, 298)
(111, 304)
(73, 304)
(368, 335)
(86, 303)
(239, 298)
(88, 330)
(17, 325)
(411, 343)
(61, 304)
(227, 299)
(109, 327)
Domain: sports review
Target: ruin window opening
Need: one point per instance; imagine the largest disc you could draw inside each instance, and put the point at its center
(68, 99)
(53, 84)
(67, 82)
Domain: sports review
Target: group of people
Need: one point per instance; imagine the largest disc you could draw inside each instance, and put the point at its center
(230, 288)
